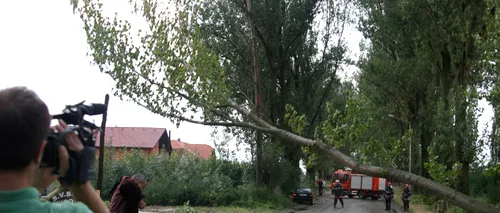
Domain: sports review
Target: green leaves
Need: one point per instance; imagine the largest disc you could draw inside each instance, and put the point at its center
(153, 68)
(441, 174)
(297, 122)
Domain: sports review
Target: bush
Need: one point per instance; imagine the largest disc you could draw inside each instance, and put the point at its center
(485, 182)
(176, 180)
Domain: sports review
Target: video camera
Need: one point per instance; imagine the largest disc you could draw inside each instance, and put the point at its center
(81, 163)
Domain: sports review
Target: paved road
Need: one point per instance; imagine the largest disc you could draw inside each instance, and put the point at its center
(324, 204)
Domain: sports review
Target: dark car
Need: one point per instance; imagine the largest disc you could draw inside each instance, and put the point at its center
(303, 194)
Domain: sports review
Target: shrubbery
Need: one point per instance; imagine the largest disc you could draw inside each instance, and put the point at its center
(484, 185)
(175, 180)
(485, 182)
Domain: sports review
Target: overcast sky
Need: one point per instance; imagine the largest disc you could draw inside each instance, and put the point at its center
(43, 47)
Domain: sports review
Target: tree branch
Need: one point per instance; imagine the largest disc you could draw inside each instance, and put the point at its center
(208, 123)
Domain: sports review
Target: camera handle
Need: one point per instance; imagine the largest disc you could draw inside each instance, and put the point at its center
(81, 167)
(86, 162)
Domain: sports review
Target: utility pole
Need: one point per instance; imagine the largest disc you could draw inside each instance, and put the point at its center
(101, 145)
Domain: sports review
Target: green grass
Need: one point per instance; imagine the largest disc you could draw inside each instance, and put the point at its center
(190, 209)
(185, 209)
(418, 202)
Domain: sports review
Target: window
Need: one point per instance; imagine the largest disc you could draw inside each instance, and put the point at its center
(335, 177)
(304, 190)
(346, 178)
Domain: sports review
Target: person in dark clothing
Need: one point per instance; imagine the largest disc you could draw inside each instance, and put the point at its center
(319, 182)
(406, 198)
(388, 195)
(127, 195)
(337, 193)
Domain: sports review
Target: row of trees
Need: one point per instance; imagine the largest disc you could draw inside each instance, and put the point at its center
(255, 66)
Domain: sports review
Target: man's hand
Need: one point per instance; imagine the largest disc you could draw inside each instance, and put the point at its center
(142, 204)
(45, 176)
(73, 143)
(72, 140)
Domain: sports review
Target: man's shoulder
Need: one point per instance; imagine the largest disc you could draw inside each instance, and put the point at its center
(76, 207)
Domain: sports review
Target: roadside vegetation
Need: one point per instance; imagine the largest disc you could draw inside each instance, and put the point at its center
(485, 185)
(176, 180)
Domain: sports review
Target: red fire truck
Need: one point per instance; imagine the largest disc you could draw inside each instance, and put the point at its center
(360, 185)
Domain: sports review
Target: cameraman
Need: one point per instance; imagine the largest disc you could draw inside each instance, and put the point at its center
(24, 122)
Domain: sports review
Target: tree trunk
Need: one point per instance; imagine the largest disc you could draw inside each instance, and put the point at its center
(258, 103)
(310, 173)
(462, 152)
(494, 143)
(258, 161)
(425, 138)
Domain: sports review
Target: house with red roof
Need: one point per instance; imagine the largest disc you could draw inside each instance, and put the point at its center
(150, 141)
(203, 150)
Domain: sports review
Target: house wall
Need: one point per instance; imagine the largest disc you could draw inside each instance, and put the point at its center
(156, 149)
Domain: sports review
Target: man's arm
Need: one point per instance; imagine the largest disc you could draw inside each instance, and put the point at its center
(86, 194)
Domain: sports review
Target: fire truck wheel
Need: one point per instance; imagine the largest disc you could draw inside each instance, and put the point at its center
(350, 196)
(361, 194)
(374, 198)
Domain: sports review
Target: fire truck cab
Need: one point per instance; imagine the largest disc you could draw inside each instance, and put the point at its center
(356, 184)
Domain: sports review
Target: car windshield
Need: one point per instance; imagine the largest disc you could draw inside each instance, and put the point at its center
(304, 190)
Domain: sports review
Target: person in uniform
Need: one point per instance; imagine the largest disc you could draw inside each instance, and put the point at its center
(406, 198)
(338, 192)
(388, 195)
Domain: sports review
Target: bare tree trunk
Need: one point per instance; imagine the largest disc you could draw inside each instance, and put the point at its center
(494, 146)
(258, 103)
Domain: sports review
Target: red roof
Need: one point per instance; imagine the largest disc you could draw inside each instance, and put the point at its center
(137, 137)
(203, 150)
(148, 137)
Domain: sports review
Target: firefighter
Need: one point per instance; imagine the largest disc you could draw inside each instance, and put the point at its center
(388, 195)
(320, 183)
(406, 198)
(337, 192)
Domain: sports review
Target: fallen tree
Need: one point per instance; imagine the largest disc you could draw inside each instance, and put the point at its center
(171, 65)
(466, 202)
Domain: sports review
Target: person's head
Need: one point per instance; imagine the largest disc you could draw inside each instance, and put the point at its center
(24, 126)
(406, 186)
(140, 180)
(337, 181)
(389, 184)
